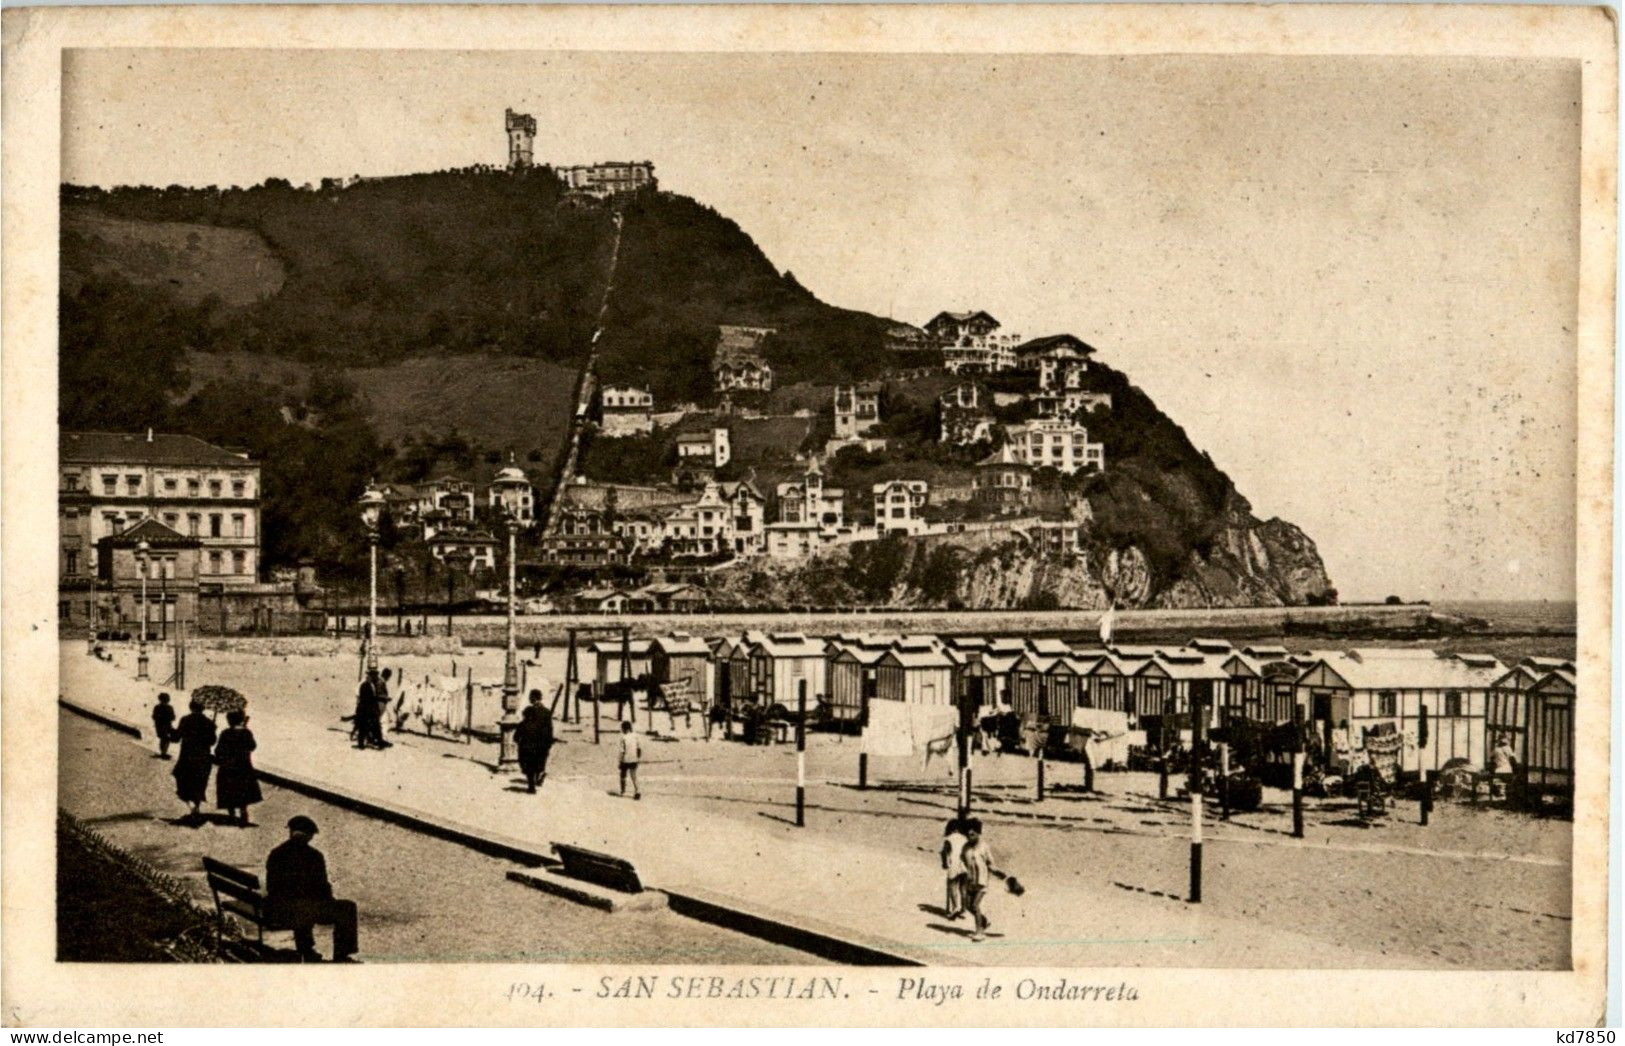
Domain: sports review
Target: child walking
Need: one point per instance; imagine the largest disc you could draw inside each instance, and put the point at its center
(953, 863)
(631, 755)
(163, 724)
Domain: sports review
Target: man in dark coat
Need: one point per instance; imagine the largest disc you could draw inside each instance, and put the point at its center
(534, 737)
(298, 895)
(369, 700)
(196, 760)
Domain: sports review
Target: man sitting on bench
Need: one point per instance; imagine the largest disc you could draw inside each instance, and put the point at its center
(298, 895)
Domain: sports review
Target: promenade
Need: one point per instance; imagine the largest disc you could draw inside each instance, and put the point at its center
(1105, 879)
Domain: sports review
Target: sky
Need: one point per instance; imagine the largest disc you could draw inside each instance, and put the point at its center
(1352, 280)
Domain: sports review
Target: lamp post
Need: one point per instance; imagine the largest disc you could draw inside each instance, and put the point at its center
(90, 644)
(372, 504)
(141, 550)
(509, 753)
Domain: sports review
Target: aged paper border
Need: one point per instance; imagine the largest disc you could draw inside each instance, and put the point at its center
(37, 991)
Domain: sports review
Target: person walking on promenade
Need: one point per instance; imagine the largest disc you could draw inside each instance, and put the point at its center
(371, 699)
(195, 761)
(1503, 765)
(953, 863)
(535, 739)
(631, 755)
(163, 724)
(236, 785)
(299, 896)
(979, 875)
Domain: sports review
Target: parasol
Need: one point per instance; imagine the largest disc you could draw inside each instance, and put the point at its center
(220, 698)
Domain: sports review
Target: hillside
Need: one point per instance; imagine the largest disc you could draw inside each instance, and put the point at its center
(398, 326)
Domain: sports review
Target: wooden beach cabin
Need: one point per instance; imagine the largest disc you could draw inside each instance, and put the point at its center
(985, 677)
(1365, 688)
(1508, 708)
(1549, 757)
(684, 660)
(607, 652)
(721, 670)
(780, 662)
(1066, 689)
(1244, 696)
(1217, 647)
(1104, 685)
(1029, 687)
(923, 677)
(851, 676)
(1173, 681)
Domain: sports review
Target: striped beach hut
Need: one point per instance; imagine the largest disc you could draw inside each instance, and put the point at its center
(923, 677)
(684, 661)
(1173, 681)
(781, 662)
(1105, 685)
(851, 677)
(1548, 760)
(1029, 690)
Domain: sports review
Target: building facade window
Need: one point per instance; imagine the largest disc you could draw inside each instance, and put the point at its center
(1387, 703)
(132, 484)
(170, 485)
(1452, 702)
(193, 485)
(214, 562)
(71, 562)
(193, 521)
(237, 525)
(214, 524)
(70, 481)
(110, 485)
(214, 488)
(238, 488)
(239, 561)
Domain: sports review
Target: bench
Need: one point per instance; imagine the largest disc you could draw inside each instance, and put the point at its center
(600, 868)
(236, 892)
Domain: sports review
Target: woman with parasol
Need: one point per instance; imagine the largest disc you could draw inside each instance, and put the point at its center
(194, 760)
(236, 786)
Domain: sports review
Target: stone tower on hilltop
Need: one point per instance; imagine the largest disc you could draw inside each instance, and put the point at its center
(521, 139)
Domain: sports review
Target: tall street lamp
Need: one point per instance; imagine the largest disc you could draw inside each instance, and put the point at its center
(509, 753)
(141, 550)
(372, 506)
(95, 616)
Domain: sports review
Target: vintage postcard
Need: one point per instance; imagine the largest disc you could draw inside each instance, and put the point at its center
(1009, 515)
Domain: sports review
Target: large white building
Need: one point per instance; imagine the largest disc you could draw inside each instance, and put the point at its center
(972, 343)
(807, 500)
(511, 493)
(857, 409)
(1057, 444)
(111, 481)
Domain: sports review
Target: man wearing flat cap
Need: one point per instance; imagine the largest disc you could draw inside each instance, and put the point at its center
(298, 895)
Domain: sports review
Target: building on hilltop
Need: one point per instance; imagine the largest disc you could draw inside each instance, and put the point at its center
(971, 342)
(521, 138)
(603, 180)
(598, 180)
(857, 409)
(626, 410)
(700, 454)
(1057, 444)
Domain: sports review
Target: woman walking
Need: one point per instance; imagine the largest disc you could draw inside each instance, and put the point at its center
(236, 786)
(195, 759)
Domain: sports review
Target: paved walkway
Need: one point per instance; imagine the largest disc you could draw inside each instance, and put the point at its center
(879, 892)
(421, 899)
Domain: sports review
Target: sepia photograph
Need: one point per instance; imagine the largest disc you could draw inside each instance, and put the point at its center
(722, 522)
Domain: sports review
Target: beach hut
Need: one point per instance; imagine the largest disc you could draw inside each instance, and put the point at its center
(851, 676)
(1065, 677)
(1104, 685)
(721, 674)
(607, 652)
(1346, 695)
(1244, 696)
(1507, 706)
(1029, 690)
(1548, 759)
(985, 679)
(1262, 653)
(683, 660)
(1049, 647)
(780, 662)
(1277, 690)
(922, 677)
(1173, 681)
(1219, 647)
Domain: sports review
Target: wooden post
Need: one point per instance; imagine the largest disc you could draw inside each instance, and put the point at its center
(1040, 782)
(863, 770)
(967, 721)
(1297, 771)
(468, 707)
(801, 753)
(1224, 780)
(1198, 738)
(1427, 795)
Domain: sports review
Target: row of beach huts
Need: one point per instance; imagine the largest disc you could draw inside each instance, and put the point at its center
(1470, 700)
